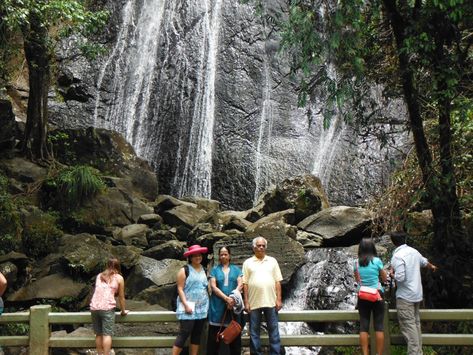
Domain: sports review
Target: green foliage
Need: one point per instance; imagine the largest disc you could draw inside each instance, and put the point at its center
(92, 50)
(342, 50)
(72, 186)
(60, 142)
(462, 128)
(10, 227)
(59, 18)
(407, 192)
(9, 329)
(330, 46)
(57, 136)
(41, 236)
(416, 51)
(69, 15)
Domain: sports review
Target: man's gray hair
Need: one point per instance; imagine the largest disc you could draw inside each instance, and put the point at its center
(259, 238)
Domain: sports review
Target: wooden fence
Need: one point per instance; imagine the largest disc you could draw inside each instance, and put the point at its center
(40, 319)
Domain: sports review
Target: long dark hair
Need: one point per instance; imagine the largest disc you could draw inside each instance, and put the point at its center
(366, 251)
(113, 267)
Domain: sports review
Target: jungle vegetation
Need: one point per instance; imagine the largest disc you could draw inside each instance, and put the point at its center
(33, 28)
(416, 51)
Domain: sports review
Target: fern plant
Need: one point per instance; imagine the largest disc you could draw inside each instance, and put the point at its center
(72, 186)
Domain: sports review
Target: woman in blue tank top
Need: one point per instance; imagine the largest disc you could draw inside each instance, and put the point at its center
(369, 272)
(192, 300)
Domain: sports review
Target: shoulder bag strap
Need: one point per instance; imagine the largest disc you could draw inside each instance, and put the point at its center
(223, 320)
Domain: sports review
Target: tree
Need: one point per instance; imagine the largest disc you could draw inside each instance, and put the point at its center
(35, 21)
(417, 50)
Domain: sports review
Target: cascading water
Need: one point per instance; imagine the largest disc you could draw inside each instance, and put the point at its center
(328, 144)
(264, 136)
(324, 282)
(133, 72)
(201, 91)
(329, 138)
(197, 173)
(132, 64)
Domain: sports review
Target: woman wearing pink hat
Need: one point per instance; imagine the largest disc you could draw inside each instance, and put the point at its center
(192, 300)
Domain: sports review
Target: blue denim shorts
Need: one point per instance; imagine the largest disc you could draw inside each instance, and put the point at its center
(103, 322)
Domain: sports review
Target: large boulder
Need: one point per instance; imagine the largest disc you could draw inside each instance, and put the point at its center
(127, 254)
(150, 219)
(167, 202)
(168, 250)
(281, 244)
(133, 234)
(286, 216)
(53, 286)
(148, 272)
(160, 236)
(164, 295)
(208, 240)
(84, 253)
(113, 207)
(107, 151)
(340, 225)
(226, 220)
(198, 231)
(304, 194)
(204, 203)
(23, 170)
(186, 215)
(309, 240)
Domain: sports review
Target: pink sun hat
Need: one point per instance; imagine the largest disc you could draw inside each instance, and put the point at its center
(195, 249)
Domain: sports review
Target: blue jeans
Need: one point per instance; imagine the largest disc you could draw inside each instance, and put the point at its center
(271, 317)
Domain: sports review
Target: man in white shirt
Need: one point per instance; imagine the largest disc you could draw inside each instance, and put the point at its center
(405, 269)
(262, 295)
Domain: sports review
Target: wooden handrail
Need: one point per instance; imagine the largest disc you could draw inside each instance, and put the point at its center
(40, 319)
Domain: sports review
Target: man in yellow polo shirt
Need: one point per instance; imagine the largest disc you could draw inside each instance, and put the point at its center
(262, 293)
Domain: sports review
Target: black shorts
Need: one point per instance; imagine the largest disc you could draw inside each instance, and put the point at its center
(192, 328)
(365, 308)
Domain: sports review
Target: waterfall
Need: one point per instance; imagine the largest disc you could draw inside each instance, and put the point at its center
(264, 135)
(297, 301)
(197, 173)
(131, 65)
(325, 276)
(329, 139)
(157, 86)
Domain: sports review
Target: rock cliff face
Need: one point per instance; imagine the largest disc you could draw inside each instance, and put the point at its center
(201, 91)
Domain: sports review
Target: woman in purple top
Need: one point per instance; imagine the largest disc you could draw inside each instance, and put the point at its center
(369, 272)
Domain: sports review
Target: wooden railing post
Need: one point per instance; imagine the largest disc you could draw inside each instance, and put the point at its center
(387, 333)
(39, 330)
